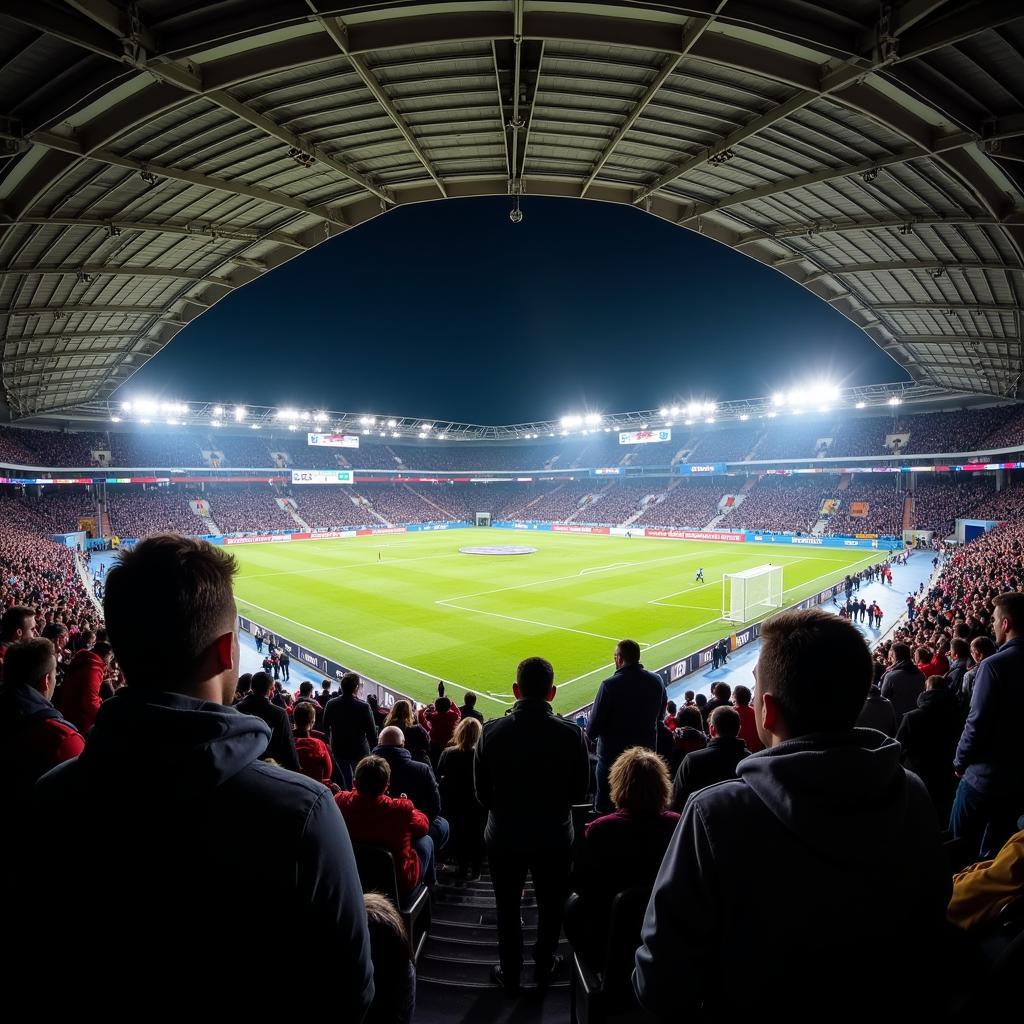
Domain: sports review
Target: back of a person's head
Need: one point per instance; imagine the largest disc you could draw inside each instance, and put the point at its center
(391, 736)
(304, 715)
(639, 782)
(959, 648)
(55, 631)
(691, 717)
(168, 593)
(742, 695)
(102, 649)
(262, 685)
(467, 734)
(350, 683)
(688, 696)
(983, 646)
(306, 688)
(817, 667)
(372, 776)
(900, 652)
(629, 651)
(722, 691)
(535, 677)
(443, 704)
(393, 971)
(16, 617)
(923, 655)
(325, 684)
(29, 662)
(400, 714)
(701, 700)
(726, 722)
(470, 700)
(938, 683)
(244, 683)
(670, 707)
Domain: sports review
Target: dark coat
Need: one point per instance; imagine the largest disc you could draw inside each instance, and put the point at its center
(702, 768)
(412, 779)
(928, 736)
(530, 768)
(348, 721)
(626, 712)
(878, 713)
(282, 741)
(902, 685)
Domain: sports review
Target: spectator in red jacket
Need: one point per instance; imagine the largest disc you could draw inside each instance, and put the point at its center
(80, 695)
(440, 719)
(741, 696)
(33, 735)
(314, 754)
(925, 659)
(377, 819)
(670, 716)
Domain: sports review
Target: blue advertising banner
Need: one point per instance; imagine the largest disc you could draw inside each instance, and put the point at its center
(701, 468)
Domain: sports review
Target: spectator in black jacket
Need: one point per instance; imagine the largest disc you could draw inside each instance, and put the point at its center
(468, 709)
(960, 662)
(715, 763)
(458, 798)
(626, 712)
(350, 728)
(173, 820)
(878, 713)
(530, 768)
(414, 780)
(282, 741)
(721, 694)
(928, 736)
(904, 682)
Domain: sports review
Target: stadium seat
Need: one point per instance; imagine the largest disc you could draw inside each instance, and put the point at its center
(607, 995)
(377, 874)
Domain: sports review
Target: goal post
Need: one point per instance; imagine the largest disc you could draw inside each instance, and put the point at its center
(750, 593)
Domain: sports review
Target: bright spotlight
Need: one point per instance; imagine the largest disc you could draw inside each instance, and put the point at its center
(688, 423)
(710, 419)
(895, 400)
(822, 408)
(240, 413)
(215, 423)
(396, 434)
(592, 419)
(694, 408)
(218, 410)
(115, 419)
(744, 417)
(254, 426)
(442, 437)
(319, 417)
(675, 410)
(794, 397)
(772, 415)
(861, 405)
(778, 398)
(663, 411)
(392, 423)
(292, 426)
(126, 406)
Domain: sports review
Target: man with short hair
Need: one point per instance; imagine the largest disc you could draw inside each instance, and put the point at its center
(842, 838)
(259, 703)
(903, 683)
(714, 763)
(988, 762)
(960, 649)
(928, 736)
(626, 713)
(742, 697)
(33, 735)
(721, 694)
(79, 699)
(168, 821)
(351, 730)
(17, 623)
(529, 768)
(468, 709)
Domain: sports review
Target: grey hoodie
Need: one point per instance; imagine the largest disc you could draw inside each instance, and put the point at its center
(822, 856)
(180, 852)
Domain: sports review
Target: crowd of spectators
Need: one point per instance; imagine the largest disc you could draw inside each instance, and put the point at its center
(46, 509)
(725, 444)
(1007, 504)
(400, 504)
(163, 449)
(939, 503)
(330, 507)
(692, 504)
(248, 509)
(789, 440)
(884, 508)
(781, 503)
(139, 511)
(546, 503)
(963, 430)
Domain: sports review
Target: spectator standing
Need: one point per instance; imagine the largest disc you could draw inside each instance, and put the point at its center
(458, 798)
(351, 731)
(468, 708)
(282, 743)
(960, 649)
(286, 665)
(721, 694)
(417, 740)
(313, 754)
(221, 814)
(689, 735)
(928, 736)
(878, 713)
(79, 699)
(379, 714)
(440, 719)
(626, 712)
(903, 683)
(982, 647)
(715, 763)
(742, 696)
(826, 805)
(530, 768)
(989, 763)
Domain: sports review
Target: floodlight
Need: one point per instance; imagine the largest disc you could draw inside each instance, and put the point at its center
(396, 434)
(145, 405)
(663, 411)
(292, 426)
(778, 398)
(861, 405)
(383, 433)
(772, 415)
(675, 410)
(392, 423)
(305, 414)
(421, 434)
(218, 410)
(694, 408)
(428, 426)
(442, 437)
(319, 417)
(565, 433)
(689, 423)
(895, 400)
(822, 408)
(592, 418)
(798, 412)
(710, 406)
(115, 419)
(126, 406)
(710, 419)
(240, 413)
(172, 423)
(744, 417)
(794, 397)
(145, 422)
(254, 426)
(216, 423)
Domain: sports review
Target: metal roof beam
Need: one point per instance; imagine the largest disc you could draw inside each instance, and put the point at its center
(71, 310)
(966, 307)
(828, 227)
(106, 270)
(338, 32)
(894, 265)
(695, 28)
(54, 354)
(943, 339)
(64, 335)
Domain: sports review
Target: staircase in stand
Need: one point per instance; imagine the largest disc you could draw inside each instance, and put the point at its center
(453, 977)
(908, 511)
(445, 514)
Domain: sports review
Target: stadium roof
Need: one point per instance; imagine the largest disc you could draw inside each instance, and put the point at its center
(157, 155)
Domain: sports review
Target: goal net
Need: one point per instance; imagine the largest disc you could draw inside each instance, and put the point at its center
(753, 592)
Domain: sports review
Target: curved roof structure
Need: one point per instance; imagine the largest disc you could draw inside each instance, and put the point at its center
(156, 155)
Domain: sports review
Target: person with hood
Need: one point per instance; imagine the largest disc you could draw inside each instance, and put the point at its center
(823, 847)
(878, 713)
(928, 736)
(715, 763)
(282, 742)
(79, 697)
(33, 736)
(626, 712)
(169, 835)
(904, 682)
(348, 722)
(989, 763)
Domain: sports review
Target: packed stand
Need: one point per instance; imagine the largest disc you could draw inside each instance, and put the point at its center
(939, 503)
(245, 452)
(63, 448)
(140, 450)
(1009, 433)
(793, 440)
(863, 436)
(1007, 504)
(137, 512)
(727, 444)
(330, 506)
(248, 509)
(885, 509)
(963, 430)
(549, 504)
(780, 503)
(55, 509)
(399, 505)
(618, 503)
(692, 504)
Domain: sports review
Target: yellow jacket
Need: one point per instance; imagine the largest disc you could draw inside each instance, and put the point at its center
(981, 891)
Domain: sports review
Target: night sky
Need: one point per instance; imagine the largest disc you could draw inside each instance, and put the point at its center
(448, 310)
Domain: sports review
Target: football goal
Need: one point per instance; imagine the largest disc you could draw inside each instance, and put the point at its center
(751, 593)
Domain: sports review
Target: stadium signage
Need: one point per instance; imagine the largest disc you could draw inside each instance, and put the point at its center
(735, 538)
(609, 471)
(565, 528)
(644, 436)
(321, 476)
(333, 440)
(693, 469)
(805, 540)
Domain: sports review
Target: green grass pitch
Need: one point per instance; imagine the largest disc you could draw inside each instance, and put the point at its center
(424, 611)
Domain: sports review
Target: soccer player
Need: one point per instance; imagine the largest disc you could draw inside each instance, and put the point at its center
(700, 575)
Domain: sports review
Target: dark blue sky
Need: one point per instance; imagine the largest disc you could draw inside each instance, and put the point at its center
(448, 310)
